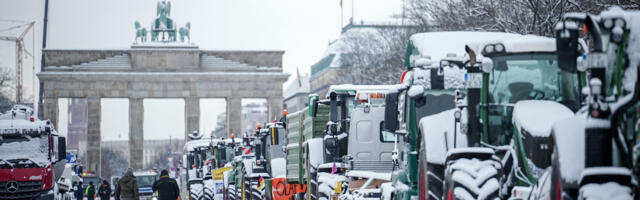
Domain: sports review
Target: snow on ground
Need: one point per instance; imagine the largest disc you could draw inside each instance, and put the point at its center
(35, 148)
(610, 190)
(537, 116)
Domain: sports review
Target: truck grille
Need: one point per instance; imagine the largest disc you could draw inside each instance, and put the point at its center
(26, 190)
(372, 165)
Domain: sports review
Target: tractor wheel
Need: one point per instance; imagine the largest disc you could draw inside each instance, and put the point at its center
(472, 179)
(231, 192)
(256, 194)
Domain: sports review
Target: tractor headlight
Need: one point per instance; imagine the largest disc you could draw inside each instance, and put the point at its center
(620, 22)
(608, 23)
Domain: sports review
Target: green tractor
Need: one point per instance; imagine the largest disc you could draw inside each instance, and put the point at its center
(505, 117)
(428, 87)
(595, 153)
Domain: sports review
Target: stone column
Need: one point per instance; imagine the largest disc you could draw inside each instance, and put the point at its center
(234, 116)
(49, 110)
(275, 108)
(191, 116)
(93, 134)
(136, 132)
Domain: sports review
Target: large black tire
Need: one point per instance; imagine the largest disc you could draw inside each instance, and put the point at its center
(207, 194)
(256, 194)
(246, 187)
(231, 192)
(472, 179)
(430, 181)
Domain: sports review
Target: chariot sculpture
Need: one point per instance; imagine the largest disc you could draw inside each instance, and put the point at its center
(163, 28)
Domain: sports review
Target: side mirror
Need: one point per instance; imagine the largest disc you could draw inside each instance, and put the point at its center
(313, 105)
(391, 112)
(487, 65)
(223, 154)
(184, 161)
(330, 143)
(62, 148)
(334, 106)
(567, 45)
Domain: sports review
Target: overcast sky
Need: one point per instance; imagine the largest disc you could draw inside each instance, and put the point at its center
(302, 28)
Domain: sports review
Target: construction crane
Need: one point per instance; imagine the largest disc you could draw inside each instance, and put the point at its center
(19, 50)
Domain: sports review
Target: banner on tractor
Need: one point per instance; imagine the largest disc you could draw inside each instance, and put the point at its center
(283, 191)
(218, 174)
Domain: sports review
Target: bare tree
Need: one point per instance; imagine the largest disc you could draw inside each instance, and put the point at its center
(375, 55)
(113, 163)
(516, 16)
(7, 78)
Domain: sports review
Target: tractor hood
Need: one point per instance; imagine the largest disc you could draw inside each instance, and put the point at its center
(537, 117)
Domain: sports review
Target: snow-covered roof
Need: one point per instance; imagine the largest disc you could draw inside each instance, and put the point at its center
(438, 44)
(293, 88)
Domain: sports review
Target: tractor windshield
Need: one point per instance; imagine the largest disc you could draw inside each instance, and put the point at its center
(525, 77)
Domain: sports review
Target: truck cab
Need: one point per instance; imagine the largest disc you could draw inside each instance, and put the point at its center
(32, 155)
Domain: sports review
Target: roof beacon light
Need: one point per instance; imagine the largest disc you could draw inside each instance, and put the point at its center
(488, 49)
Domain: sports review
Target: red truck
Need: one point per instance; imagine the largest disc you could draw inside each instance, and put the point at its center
(32, 155)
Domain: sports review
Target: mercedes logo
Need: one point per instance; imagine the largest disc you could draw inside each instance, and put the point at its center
(12, 186)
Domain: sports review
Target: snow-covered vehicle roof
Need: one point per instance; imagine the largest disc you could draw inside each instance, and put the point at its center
(207, 142)
(519, 44)
(21, 120)
(192, 145)
(437, 45)
(359, 88)
(145, 173)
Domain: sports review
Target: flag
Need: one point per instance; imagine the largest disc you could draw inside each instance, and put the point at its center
(261, 184)
(334, 169)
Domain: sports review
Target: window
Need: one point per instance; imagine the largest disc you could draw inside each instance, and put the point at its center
(385, 136)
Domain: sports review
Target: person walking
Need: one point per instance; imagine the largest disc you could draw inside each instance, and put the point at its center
(166, 188)
(105, 190)
(127, 188)
(90, 191)
(79, 192)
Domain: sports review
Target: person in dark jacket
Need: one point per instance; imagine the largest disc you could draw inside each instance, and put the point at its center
(127, 188)
(166, 188)
(79, 191)
(90, 191)
(105, 190)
